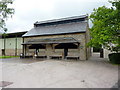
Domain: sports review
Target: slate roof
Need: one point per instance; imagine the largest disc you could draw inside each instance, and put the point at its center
(74, 25)
(51, 41)
(57, 29)
(82, 17)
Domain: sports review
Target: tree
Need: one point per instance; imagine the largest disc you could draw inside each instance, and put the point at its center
(106, 27)
(5, 12)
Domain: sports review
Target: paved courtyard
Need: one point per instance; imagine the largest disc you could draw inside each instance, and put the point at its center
(29, 73)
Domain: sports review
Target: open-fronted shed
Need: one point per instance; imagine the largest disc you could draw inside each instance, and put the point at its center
(59, 37)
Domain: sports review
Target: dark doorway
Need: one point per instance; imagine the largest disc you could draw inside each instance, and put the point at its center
(101, 53)
(99, 50)
(3, 51)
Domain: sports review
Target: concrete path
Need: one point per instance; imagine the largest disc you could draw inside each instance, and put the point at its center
(29, 73)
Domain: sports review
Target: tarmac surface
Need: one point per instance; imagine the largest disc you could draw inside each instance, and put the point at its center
(41, 73)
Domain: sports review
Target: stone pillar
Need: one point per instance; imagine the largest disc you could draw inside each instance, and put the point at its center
(49, 50)
(27, 50)
(82, 50)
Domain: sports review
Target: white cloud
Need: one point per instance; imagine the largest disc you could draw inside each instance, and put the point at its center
(29, 11)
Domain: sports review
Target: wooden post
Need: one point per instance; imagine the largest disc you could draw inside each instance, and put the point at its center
(65, 52)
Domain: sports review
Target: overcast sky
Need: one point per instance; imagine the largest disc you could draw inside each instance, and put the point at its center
(27, 12)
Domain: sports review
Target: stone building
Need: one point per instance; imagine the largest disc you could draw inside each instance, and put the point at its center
(59, 38)
(11, 44)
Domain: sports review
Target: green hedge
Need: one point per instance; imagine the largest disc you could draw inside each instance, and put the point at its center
(114, 58)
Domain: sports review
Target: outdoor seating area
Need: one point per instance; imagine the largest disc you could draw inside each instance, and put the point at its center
(55, 53)
(54, 56)
(59, 57)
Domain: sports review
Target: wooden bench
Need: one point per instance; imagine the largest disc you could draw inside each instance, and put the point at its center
(73, 54)
(42, 56)
(55, 57)
(72, 57)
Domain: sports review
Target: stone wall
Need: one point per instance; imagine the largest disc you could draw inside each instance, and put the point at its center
(88, 49)
(80, 37)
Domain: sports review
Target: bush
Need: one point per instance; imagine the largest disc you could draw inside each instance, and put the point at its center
(114, 58)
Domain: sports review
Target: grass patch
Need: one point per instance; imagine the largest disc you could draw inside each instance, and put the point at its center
(7, 57)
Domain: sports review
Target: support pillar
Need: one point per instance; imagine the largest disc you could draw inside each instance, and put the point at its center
(25, 50)
(65, 52)
(82, 50)
(49, 50)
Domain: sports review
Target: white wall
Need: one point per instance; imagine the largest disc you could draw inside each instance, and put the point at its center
(1, 43)
(10, 45)
(106, 52)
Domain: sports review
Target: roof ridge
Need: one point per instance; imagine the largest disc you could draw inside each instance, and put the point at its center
(61, 19)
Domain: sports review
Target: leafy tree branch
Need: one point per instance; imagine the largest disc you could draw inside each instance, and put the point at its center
(106, 27)
(5, 12)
